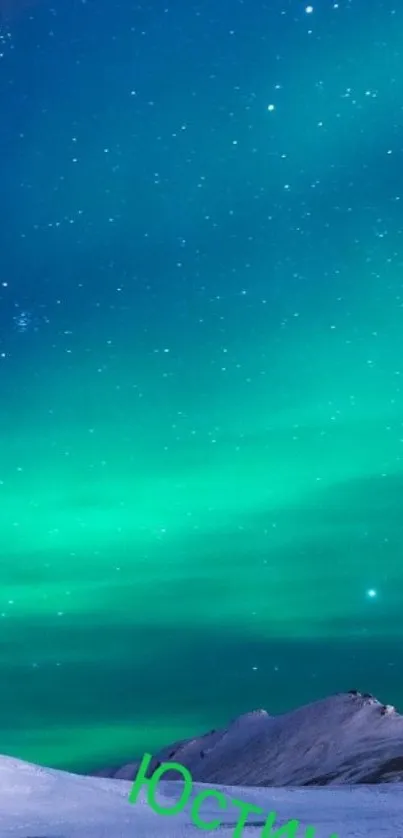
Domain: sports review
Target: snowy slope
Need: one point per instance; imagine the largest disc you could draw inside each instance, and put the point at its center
(41, 803)
(345, 738)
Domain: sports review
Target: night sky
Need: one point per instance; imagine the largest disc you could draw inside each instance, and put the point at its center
(201, 371)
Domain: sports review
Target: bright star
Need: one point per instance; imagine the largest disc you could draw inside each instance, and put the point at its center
(371, 593)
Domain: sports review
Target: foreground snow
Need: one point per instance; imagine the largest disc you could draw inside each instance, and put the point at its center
(43, 803)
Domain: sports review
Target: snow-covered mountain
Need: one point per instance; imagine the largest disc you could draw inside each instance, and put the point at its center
(346, 738)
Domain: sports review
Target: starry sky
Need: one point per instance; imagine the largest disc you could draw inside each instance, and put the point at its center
(201, 366)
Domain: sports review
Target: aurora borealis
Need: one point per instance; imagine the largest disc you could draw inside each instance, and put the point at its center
(201, 367)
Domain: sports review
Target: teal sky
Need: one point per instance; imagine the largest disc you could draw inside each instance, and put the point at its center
(201, 414)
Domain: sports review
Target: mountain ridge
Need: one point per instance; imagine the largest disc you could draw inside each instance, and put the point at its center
(346, 738)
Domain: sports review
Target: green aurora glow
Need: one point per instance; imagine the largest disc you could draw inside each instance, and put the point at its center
(202, 426)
